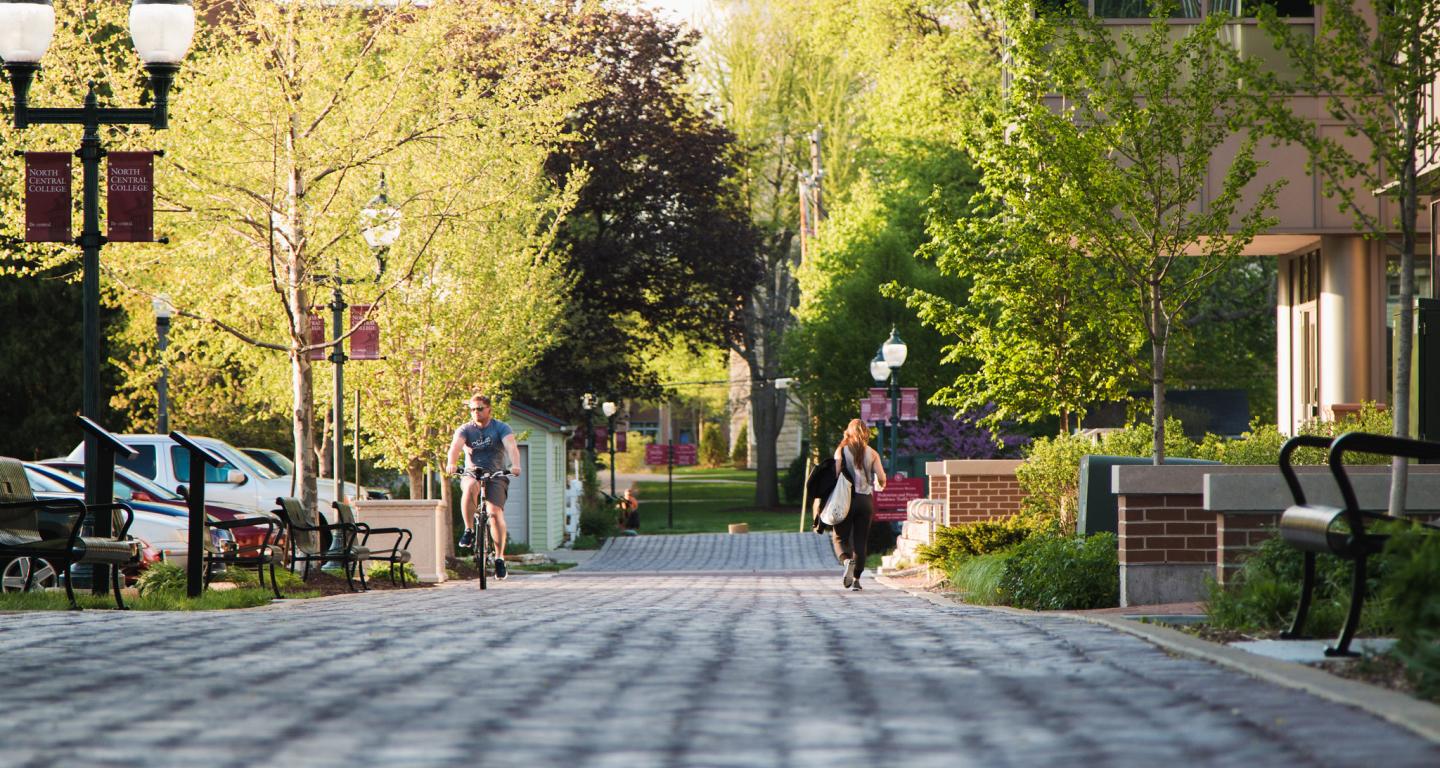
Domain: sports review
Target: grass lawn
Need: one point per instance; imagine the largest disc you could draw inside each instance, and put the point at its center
(208, 600)
(710, 507)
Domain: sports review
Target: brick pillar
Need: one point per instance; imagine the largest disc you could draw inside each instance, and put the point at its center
(1167, 546)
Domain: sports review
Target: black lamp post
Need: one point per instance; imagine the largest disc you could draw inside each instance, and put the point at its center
(380, 225)
(162, 31)
(880, 373)
(587, 404)
(163, 312)
(894, 351)
(609, 409)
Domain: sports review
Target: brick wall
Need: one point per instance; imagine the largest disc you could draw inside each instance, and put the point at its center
(1166, 529)
(1239, 535)
(975, 490)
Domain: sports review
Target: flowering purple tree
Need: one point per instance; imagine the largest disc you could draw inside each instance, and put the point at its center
(961, 436)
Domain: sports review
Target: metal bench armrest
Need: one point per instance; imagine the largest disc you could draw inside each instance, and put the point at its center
(1286, 450)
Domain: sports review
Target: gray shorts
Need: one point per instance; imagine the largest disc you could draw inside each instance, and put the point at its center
(497, 491)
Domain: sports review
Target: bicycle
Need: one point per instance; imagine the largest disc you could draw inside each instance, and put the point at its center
(484, 546)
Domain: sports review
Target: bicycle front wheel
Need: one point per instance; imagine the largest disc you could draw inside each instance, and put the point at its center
(482, 533)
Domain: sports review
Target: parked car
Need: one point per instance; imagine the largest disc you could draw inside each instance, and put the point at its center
(240, 481)
(165, 534)
(131, 488)
(281, 464)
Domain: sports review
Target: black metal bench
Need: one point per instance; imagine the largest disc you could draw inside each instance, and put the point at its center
(314, 540)
(396, 556)
(52, 530)
(1343, 532)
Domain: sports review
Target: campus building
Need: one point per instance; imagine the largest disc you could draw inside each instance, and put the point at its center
(1337, 290)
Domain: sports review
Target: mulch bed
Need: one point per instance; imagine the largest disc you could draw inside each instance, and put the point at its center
(1381, 670)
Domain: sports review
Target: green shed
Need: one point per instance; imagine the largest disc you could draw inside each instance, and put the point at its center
(535, 510)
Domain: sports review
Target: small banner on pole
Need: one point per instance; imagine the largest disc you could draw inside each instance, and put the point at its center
(317, 336)
(130, 197)
(47, 197)
(365, 334)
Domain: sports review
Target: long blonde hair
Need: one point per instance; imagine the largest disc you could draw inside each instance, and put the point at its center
(857, 436)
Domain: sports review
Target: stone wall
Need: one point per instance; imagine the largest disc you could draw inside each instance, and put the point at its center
(975, 489)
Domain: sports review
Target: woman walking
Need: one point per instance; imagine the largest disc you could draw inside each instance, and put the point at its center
(853, 533)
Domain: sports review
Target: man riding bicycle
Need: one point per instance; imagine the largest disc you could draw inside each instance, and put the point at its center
(487, 443)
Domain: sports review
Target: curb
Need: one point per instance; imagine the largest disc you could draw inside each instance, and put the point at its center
(1419, 717)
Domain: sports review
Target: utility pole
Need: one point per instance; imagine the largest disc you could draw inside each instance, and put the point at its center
(811, 190)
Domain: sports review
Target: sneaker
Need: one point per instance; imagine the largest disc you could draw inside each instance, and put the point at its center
(849, 579)
(856, 586)
(499, 567)
(467, 539)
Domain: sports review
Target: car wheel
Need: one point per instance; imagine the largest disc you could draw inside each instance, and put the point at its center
(20, 569)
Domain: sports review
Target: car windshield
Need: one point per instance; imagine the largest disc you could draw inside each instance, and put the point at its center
(142, 483)
(122, 491)
(51, 482)
(272, 459)
(239, 458)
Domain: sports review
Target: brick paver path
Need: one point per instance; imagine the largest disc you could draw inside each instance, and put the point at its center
(753, 669)
(751, 552)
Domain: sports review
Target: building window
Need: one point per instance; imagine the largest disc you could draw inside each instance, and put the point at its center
(1423, 286)
(1305, 278)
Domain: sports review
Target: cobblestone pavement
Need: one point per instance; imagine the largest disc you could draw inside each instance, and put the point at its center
(750, 552)
(778, 669)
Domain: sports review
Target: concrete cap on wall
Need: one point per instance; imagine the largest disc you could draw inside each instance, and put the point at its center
(973, 467)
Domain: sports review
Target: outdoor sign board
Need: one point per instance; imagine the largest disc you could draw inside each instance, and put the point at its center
(47, 197)
(685, 454)
(317, 336)
(130, 197)
(890, 503)
(365, 334)
(876, 408)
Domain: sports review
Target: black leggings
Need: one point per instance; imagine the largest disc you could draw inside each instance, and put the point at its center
(852, 535)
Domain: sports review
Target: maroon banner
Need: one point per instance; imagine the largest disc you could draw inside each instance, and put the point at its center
(909, 404)
(130, 197)
(47, 197)
(890, 503)
(365, 334)
(317, 336)
(876, 408)
(656, 453)
(620, 441)
(686, 455)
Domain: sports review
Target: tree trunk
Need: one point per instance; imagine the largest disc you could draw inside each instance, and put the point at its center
(415, 473)
(1404, 345)
(767, 414)
(1160, 336)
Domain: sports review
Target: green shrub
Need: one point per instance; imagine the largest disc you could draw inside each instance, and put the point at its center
(161, 577)
(586, 541)
(246, 577)
(1051, 572)
(793, 483)
(452, 574)
(597, 517)
(1266, 592)
(382, 571)
(1411, 589)
(740, 454)
(978, 578)
(955, 543)
(712, 446)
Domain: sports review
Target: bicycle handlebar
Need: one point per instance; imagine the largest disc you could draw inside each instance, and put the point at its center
(467, 472)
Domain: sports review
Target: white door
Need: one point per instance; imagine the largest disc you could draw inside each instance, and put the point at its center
(517, 504)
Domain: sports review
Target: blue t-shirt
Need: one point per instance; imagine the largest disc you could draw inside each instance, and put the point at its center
(485, 446)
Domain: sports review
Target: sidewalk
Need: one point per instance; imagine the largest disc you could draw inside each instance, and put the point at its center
(1420, 717)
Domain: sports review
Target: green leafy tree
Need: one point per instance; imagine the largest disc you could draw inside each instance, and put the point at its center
(1373, 68)
(286, 116)
(1106, 140)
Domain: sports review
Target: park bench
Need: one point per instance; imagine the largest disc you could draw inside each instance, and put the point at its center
(234, 555)
(52, 530)
(1344, 532)
(396, 556)
(311, 538)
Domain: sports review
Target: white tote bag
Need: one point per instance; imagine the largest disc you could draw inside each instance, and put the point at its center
(838, 505)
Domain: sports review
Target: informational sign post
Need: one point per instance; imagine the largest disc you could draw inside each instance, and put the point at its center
(364, 334)
(130, 197)
(317, 337)
(890, 503)
(47, 197)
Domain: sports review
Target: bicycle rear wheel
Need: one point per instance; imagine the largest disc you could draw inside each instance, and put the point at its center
(482, 534)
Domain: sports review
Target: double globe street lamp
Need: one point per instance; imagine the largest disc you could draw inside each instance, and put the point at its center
(161, 31)
(886, 367)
